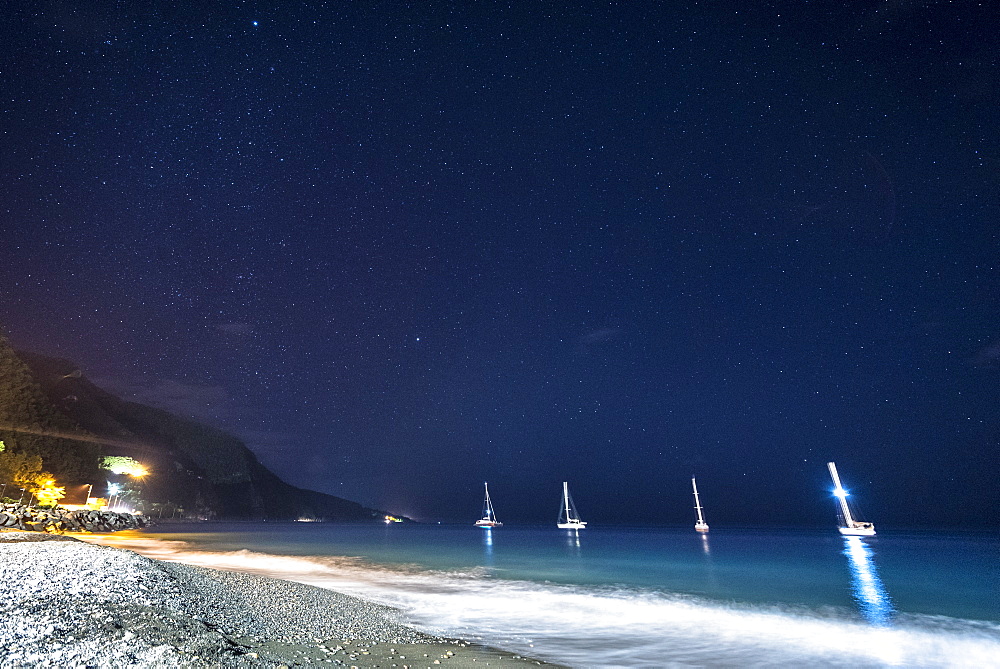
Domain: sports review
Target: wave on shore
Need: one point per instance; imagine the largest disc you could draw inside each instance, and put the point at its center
(587, 626)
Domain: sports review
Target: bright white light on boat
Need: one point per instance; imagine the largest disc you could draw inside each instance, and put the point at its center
(840, 492)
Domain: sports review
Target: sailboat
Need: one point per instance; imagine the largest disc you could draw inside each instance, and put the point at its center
(850, 527)
(569, 519)
(489, 518)
(700, 525)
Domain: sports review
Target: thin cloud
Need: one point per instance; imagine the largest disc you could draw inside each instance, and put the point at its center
(989, 356)
(193, 400)
(235, 328)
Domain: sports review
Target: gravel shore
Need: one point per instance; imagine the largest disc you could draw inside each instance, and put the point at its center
(66, 603)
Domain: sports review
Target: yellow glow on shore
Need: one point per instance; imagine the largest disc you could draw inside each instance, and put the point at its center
(49, 493)
(125, 465)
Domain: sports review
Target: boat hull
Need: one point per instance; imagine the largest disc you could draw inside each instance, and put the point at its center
(488, 523)
(701, 527)
(857, 531)
(572, 526)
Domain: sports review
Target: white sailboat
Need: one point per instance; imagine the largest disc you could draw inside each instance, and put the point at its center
(700, 525)
(489, 518)
(569, 519)
(850, 527)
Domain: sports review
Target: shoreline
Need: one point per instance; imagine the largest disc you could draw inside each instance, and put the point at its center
(74, 603)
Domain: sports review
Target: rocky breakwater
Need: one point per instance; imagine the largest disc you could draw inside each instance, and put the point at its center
(21, 517)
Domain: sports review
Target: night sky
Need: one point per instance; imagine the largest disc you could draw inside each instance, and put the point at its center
(405, 248)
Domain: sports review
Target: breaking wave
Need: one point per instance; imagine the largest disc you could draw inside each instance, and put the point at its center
(609, 626)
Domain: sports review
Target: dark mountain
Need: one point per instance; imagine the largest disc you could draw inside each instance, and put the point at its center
(48, 408)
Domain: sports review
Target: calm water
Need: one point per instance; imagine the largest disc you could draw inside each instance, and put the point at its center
(642, 596)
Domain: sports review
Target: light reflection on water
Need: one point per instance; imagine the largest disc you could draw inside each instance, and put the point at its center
(573, 542)
(870, 595)
(632, 624)
(488, 546)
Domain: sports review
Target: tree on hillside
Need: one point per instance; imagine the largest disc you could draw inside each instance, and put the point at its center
(18, 468)
(25, 472)
(31, 426)
(120, 464)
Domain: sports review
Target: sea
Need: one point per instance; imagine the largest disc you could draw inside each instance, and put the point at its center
(641, 596)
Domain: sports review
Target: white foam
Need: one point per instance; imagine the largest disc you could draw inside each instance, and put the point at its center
(593, 627)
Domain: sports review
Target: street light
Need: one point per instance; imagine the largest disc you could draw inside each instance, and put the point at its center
(113, 490)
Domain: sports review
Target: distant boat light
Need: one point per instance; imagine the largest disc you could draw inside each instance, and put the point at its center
(840, 492)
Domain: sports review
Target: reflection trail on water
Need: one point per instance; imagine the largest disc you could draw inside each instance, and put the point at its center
(870, 595)
(573, 542)
(488, 546)
(704, 545)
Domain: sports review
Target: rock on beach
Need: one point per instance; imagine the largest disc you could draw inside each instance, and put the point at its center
(67, 603)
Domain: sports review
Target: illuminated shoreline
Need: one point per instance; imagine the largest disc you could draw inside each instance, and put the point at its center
(70, 602)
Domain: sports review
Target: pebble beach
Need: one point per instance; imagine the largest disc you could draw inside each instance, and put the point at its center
(67, 603)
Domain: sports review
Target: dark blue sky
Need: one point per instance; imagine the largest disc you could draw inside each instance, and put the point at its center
(405, 248)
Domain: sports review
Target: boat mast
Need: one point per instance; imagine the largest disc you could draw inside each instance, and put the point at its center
(841, 494)
(566, 500)
(697, 502)
(489, 504)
